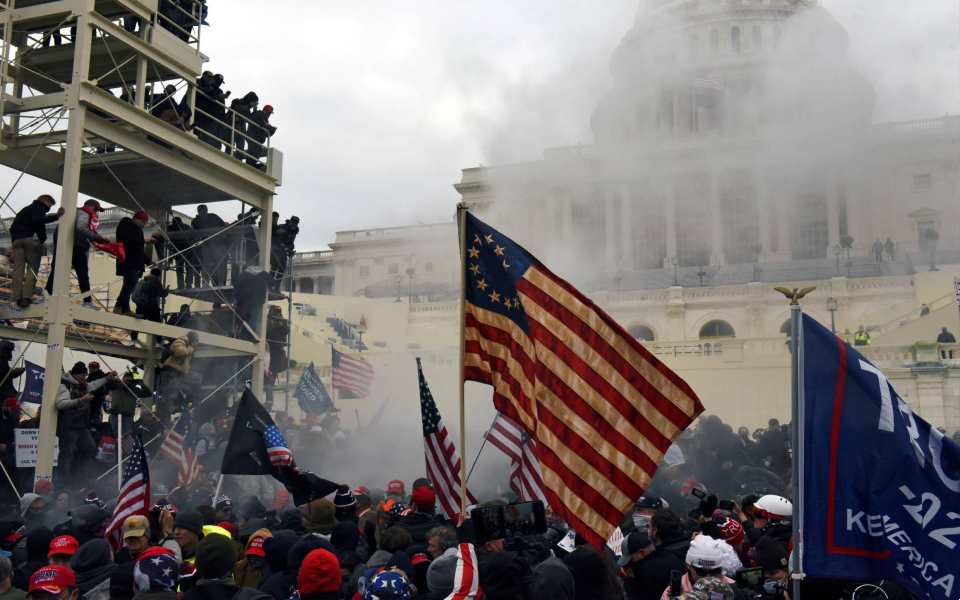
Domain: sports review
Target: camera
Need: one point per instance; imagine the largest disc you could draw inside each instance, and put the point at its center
(509, 521)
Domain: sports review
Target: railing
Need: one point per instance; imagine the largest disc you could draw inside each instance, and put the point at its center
(230, 125)
(187, 19)
(681, 349)
(924, 125)
(312, 256)
(416, 230)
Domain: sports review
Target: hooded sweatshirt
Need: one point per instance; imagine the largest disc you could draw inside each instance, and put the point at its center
(246, 574)
(91, 565)
(552, 580)
(252, 508)
(589, 574)
(25, 503)
(37, 546)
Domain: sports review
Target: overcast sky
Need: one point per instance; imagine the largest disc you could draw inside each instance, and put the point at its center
(380, 103)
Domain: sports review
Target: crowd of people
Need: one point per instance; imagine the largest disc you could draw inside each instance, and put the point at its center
(714, 523)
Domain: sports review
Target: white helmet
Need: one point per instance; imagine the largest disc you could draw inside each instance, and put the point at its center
(774, 508)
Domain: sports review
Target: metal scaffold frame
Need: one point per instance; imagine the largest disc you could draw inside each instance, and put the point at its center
(83, 159)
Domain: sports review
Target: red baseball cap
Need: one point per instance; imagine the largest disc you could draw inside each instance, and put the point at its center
(361, 491)
(268, 109)
(94, 205)
(418, 558)
(281, 499)
(395, 487)
(256, 547)
(93, 364)
(65, 544)
(141, 216)
(52, 579)
(12, 403)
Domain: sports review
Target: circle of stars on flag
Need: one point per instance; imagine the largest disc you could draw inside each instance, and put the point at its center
(482, 285)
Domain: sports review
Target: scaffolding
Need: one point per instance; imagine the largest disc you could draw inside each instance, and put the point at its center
(62, 123)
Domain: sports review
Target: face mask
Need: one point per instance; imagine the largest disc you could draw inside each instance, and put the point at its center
(772, 587)
(255, 561)
(641, 521)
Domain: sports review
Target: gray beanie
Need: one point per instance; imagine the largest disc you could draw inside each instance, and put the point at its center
(441, 574)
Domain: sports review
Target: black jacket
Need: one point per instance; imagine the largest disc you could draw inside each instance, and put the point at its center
(677, 545)
(782, 532)
(32, 220)
(649, 577)
(418, 525)
(208, 221)
(946, 337)
(263, 128)
(154, 290)
(224, 589)
(133, 240)
(251, 289)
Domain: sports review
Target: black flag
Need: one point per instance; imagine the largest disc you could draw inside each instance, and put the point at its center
(246, 452)
(311, 394)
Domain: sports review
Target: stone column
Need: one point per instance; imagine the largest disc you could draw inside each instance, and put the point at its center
(316, 285)
(716, 221)
(671, 223)
(296, 285)
(833, 211)
(628, 205)
(611, 216)
(781, 195)
(930, 396)
(763, 211)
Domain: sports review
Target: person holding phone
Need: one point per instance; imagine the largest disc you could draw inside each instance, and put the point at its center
(73, 425)
(648, 567)
(707, 558)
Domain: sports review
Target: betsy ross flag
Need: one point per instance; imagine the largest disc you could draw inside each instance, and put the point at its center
(526, 480)
(352, 374)
(134, 496)
(180, 448)
(600, 407)
(443, 460)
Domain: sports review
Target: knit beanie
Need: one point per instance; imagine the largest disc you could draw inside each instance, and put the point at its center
(38, 543)
(424, 498)
(319, 572)
(321, 517)
(160, 573)
(79, 369)
(730, 529)
(441, 574)
(190, 520)
(770, 554)
(216, 556)
(344, 498)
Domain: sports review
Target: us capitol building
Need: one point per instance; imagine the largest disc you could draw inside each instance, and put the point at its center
(735, 152)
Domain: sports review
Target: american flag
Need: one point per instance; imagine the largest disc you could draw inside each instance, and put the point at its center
(280, 455)
(466, 580)
(134, 496)
(180, 447)
(352, 374)
(601, 408)
(127, 443)
(526, 480)
(708, 82)
(443, 460)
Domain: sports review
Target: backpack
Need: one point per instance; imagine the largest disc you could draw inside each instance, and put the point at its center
(139, 295)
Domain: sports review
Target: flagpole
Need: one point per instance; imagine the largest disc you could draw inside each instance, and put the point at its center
(796, 455)
(216, 494)
(333, 383)
(119, 452)
(462, 217)
(479, 452)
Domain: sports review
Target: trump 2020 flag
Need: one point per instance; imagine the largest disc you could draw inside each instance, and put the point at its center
(32, 383)
(881, 497)
(311, 394)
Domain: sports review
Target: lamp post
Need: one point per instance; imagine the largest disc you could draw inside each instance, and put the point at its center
(399, 280)
(676, 277)
(361, 329)
(701, 274)
(837, 250)
(832, 307)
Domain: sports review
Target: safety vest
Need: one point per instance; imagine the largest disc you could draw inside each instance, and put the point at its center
(861, 338)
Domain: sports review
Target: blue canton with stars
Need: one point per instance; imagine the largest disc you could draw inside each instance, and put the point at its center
(428, 408)
(495, 264)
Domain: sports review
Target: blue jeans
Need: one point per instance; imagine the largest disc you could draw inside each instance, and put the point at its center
(76, 453)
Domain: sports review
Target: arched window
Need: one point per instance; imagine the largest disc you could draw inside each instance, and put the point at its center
(757, 38)
(735, 39)
(642, 333)
(717, 329)
(694, 49)
(785, 328)
(714, 41)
